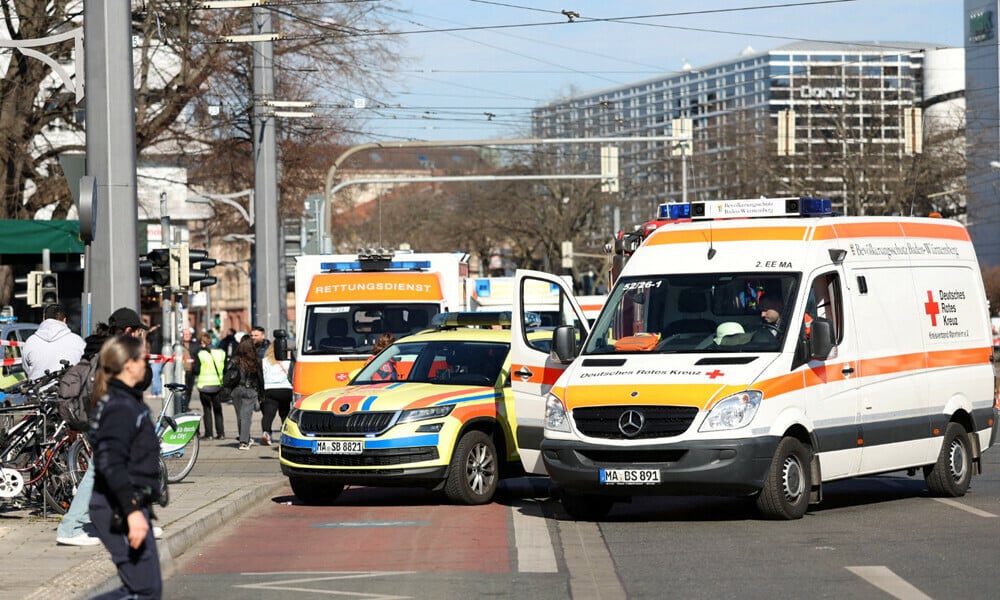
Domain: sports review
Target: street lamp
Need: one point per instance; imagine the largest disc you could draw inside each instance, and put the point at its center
(229, 199)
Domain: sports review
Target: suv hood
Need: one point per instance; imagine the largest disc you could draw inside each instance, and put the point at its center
(395, 396)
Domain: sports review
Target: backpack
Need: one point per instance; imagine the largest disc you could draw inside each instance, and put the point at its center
(75, 388)
(231, 376)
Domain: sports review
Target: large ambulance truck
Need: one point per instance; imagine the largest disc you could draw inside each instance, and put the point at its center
(345, 302)
(761, 350)
(496, 294)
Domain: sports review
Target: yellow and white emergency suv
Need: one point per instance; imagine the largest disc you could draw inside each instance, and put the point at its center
(345, 302)
(433, 410)
(762, 349)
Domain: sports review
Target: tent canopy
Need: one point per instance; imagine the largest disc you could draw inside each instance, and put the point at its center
(32, 237)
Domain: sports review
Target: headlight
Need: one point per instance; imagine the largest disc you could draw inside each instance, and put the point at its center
(422, 414)
(293, 414)
(733, 412)
(556, 418)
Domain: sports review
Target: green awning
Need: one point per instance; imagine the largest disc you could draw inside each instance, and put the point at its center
(31, 237)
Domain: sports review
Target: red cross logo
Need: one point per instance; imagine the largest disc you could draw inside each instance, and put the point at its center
(341, 377)
(932, 308)
(714, 374)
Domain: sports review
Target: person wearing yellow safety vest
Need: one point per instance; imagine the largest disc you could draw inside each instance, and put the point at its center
(208, 368)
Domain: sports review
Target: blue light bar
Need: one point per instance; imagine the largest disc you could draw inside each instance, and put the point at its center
(815, 207)
(674, 210)
(402, 265)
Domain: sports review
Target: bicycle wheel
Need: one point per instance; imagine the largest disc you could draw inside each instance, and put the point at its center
(78, 459)
(180, 462)
(57, 484)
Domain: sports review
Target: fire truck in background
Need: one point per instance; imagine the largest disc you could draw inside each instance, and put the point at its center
(345, 302)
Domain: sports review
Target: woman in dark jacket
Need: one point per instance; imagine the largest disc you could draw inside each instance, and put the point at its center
(126, 457)
(249, 391)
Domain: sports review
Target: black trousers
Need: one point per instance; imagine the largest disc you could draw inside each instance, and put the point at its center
(139, 569)
(211, 406)
(275, 401)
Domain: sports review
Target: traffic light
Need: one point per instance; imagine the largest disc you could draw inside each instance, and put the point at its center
(154, 268)
(29, 291)
(194, 268)
(48, 288)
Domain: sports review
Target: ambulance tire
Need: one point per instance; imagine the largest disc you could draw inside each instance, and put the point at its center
(951, 474)
(785, 495)
(315, 493)
(586, 507)
(474, 471)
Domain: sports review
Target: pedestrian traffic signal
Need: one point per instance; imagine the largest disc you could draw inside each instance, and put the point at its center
(48, 288)
(194, 269)
(154, 268)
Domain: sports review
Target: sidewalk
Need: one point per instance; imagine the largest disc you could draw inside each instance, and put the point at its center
(224, 482)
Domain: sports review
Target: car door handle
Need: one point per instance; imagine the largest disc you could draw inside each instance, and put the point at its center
(847, 370)
(524, 373)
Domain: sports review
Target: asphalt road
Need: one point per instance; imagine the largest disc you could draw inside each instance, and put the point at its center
(876, 537)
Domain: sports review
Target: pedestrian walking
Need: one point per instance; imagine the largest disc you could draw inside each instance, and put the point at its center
(209, 367)
(75, 528)
(277, 393)
(50, 344)
(126, 462)
(191, 348)
(248, 392)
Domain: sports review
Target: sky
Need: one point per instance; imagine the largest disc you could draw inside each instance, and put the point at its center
(473, 69)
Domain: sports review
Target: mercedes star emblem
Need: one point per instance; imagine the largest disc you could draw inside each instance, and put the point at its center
(631, 422)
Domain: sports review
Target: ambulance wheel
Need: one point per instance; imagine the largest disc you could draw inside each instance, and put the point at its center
(586, 507)
(785, 494)
(951, 474)
(474, 472)
(315, 493)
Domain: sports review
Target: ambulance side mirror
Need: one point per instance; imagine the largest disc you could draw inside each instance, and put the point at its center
(820, 339)
(280, 344)
(564, 344)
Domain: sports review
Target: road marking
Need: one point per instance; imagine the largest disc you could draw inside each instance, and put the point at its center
(887, 581)
(591, 571)
(532, 540)
(360, 524)
(285, 584)
(969, 509)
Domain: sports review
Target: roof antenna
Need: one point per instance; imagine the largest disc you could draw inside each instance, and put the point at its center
(711, 249)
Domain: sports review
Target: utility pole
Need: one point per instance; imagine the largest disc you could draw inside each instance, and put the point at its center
(111, 155)
(267, 252)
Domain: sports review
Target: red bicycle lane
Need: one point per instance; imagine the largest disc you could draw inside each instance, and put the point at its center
(367, 529)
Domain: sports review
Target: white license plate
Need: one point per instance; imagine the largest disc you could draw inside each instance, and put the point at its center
(630, 476)
(337, 447)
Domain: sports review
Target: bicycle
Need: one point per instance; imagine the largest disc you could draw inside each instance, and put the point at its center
(176, 434)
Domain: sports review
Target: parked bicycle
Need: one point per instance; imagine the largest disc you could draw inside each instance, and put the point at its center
(179, 441)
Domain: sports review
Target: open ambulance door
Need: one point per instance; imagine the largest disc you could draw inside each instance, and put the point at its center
(533, 371)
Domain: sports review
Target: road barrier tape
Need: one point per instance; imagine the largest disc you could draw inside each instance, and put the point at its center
(160, 358)
(7, 362)
(13, 343)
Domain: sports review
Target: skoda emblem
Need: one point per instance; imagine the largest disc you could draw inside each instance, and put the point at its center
(631, 422)
(344, 407)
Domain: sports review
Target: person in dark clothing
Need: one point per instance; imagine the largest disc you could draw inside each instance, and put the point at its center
(228, 343)
(191, 350)
(260, 341)
(126, 460)
(248, 394)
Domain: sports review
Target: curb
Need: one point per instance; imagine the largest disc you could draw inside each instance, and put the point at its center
(98, 575)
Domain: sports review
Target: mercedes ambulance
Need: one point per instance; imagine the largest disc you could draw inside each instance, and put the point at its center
(760, 350)
(345, 302)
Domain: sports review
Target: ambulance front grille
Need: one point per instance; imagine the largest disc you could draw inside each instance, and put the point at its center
(608, 422)
(324, 423)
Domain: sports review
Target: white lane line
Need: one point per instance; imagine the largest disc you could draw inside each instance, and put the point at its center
(286, 585)
(592, 574)
(968, 509)
(887, 581)
(532, 540)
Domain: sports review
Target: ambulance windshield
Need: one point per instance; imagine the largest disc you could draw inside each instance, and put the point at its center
(354, 328)
(696, 313)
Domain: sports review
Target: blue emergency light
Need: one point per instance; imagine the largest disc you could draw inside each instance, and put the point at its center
(355, 265)
(674, 210)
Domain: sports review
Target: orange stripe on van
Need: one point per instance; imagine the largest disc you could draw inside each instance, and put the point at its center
(721, 234)
(938, 230)
(375, 287)
(539, 375)
(700, 395)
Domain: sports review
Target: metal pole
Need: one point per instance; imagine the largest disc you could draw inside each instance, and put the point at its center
(267, 253)
(111, 153)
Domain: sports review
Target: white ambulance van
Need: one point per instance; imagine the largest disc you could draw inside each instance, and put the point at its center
(760, 350)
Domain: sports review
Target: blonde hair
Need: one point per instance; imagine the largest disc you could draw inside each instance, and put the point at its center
(115, 352)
